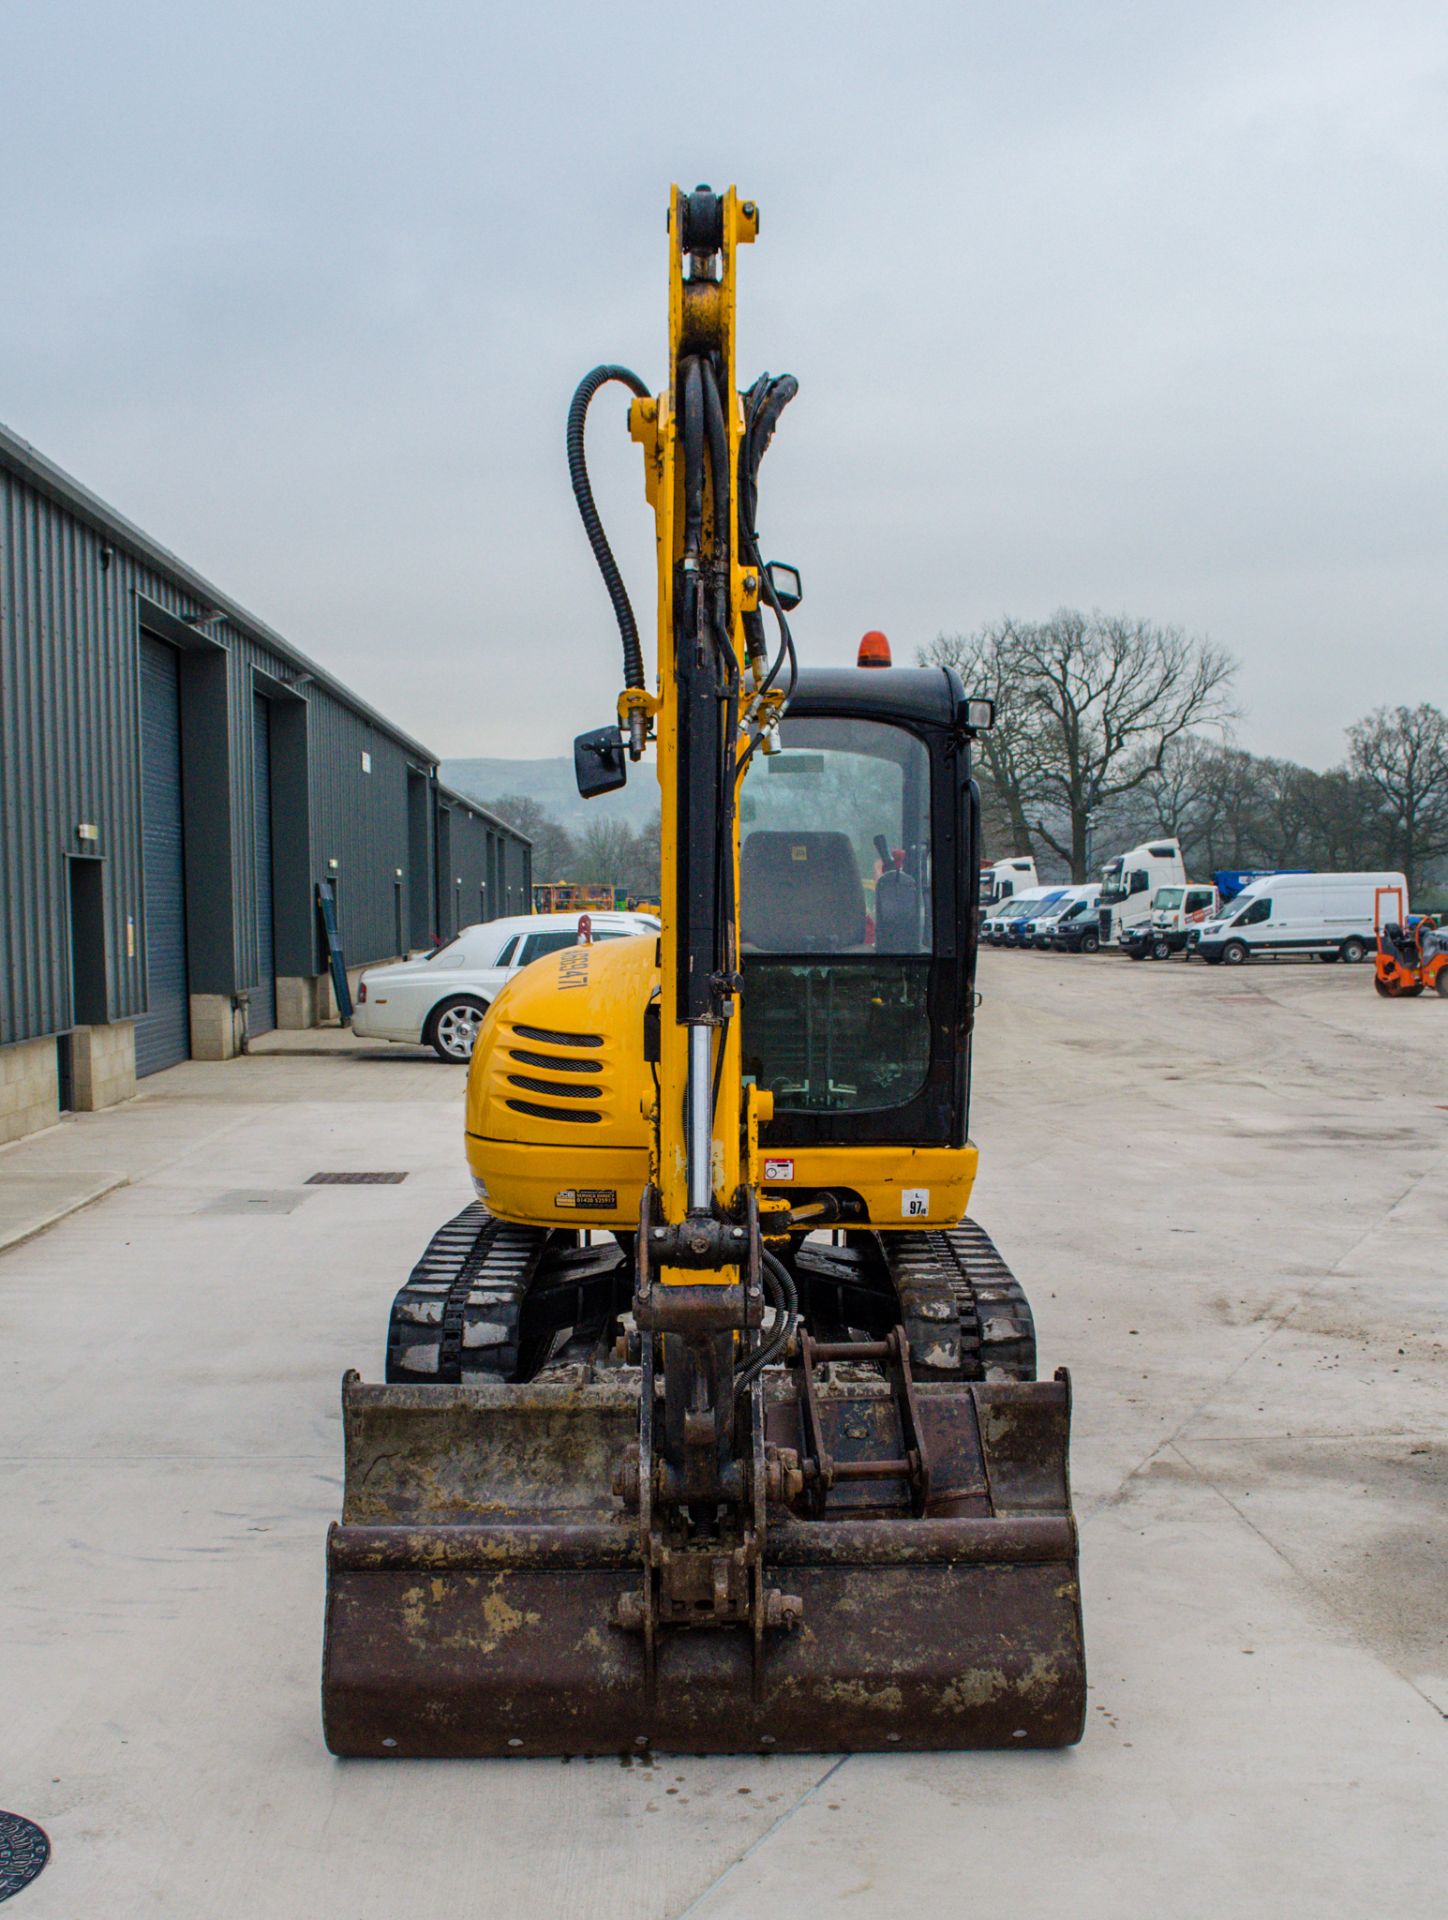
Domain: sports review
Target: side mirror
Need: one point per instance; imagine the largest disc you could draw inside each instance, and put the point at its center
(975, 715)
(599, 765)
(786, 583)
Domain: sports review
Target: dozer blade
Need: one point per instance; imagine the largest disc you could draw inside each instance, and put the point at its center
(474, 1586)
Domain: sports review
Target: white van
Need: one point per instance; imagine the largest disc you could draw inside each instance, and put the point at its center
(1175, 914)
(1040, 928)
(993, 926)
(1333, 915)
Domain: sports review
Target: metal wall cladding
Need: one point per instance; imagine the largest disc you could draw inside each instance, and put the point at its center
(69, 753)
(489, 864)
(359, 820)
(76, 585)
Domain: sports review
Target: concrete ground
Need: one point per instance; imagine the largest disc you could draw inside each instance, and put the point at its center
(1228, 1195)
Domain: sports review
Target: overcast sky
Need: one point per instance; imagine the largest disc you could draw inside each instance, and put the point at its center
(1142, 307)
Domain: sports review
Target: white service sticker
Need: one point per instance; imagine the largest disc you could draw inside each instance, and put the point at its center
(779, 1169)
(914, 1201)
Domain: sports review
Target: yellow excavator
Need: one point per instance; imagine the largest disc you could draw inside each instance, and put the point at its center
(713, 1424)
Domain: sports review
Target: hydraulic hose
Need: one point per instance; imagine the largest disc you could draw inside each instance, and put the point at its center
(691, 421)
(718, 463)
(588, 386)
(785, 1299)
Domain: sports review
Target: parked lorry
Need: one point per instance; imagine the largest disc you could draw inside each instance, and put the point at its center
(1001, 879)
(1175, 911)
(1129, 882)
(1329, 916)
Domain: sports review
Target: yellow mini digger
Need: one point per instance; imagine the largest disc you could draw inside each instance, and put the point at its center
(713, 1425)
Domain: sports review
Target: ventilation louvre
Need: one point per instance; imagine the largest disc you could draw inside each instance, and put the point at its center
(577, 1116)
(560, 1039)
(553, 1062)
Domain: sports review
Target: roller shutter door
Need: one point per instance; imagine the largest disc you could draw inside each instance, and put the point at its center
(262, 1014)
(163, 1033)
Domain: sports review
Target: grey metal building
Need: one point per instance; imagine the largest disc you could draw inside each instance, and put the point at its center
(179, 787)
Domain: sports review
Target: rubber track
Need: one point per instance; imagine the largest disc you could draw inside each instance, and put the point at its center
(456, 1319)
(965, 1314)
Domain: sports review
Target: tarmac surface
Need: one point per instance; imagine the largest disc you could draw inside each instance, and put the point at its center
(1227, 1194)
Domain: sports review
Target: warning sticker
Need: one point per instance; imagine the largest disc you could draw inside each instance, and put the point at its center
(914, 1202)
(595, 1199)
(779, 1169)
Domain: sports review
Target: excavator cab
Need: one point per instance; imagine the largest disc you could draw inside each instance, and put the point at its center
(857, 914)
(713, 1424)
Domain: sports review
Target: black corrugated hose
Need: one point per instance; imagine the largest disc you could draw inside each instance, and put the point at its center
(785, 1300)
(588, 386)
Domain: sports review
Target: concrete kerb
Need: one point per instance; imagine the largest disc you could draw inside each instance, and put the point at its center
(30, 1203)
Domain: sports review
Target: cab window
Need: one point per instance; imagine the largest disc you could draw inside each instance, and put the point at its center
(835, 915)
(835, 841)
(1254, 915)
(1139, 882)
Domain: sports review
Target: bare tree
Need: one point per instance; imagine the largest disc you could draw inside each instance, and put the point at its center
(611, 854)
(1402, 754)
(1174, 798)
(605, 850)
(1006, 755)
(553, 849)
(1091, 706)
(999, 833)
(1349, 832)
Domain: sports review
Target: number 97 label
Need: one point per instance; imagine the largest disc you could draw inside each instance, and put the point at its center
(914, 1203)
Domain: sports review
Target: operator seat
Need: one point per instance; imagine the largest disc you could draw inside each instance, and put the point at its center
(800, 893)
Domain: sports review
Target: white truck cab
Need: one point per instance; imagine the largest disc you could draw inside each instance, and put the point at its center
(1003, 878)
(1130, 881)
(1334, 916)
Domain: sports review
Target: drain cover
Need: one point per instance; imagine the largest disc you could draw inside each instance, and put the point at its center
(24, 1850)
(250, 1200)
(356, 1179)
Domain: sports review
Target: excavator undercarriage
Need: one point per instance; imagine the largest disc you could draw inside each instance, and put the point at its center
(713, 1425)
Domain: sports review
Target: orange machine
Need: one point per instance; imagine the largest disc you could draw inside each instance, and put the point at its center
(1411, 958)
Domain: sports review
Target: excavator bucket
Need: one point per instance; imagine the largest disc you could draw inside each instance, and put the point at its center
(487, 1593)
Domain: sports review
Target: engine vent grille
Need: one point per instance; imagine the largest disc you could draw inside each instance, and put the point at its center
(553, 1062)
(559, 1089)
(578, 1116)
(560, 1039)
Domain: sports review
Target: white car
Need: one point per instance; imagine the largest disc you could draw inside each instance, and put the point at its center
(440, 1000)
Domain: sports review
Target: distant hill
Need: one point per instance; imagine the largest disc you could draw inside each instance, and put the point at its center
(551, 784)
